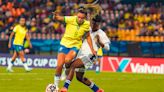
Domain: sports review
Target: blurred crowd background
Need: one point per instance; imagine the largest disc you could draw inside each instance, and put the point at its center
(131, 20)
(135, 27)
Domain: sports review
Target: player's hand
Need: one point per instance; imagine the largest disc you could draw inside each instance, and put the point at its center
(55, 14)
(9, 45)
(94, 53)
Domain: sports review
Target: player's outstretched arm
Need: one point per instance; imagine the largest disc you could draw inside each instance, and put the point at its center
(103, 45)
(99, 41)
(57, 16)
(90, 43)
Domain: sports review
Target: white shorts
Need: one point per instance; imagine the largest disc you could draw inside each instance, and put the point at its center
(87, 60)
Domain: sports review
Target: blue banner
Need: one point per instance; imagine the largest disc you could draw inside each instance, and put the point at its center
(35, 61)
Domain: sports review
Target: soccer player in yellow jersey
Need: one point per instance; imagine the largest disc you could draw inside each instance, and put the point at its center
(76, 27)
(20, 31)
(85, 59)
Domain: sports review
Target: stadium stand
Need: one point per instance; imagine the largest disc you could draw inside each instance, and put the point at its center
(124, 21)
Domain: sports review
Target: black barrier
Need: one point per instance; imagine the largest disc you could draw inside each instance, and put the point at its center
(134, 49)
(117, 48)
(4, 46)
(35, 61)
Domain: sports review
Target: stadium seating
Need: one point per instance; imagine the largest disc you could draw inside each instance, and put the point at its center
(124, 20)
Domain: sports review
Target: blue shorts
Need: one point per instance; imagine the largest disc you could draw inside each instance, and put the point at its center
(18, 48)
(99, 56)
(65, 50)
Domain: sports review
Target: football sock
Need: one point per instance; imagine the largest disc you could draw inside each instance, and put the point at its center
(67, 83)
(10, 64)
(94, 87)
(25, 65)
(56, 80)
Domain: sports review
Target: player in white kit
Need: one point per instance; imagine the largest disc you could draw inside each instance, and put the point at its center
(85, 58)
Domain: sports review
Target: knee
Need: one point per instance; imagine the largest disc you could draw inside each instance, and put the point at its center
(67, 60)
(67, 65)
(59, 67)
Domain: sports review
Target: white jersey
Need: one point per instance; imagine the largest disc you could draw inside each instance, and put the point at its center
(85, 49)
(85, 52)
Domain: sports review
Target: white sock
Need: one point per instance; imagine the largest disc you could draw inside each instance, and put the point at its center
(25, 66)
(97, 63)
(92, 84)
(97, 68)
(63, 74)
(10, 65)
(56, 80)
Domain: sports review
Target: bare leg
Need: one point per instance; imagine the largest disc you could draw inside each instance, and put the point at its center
(21, 55)
(62, 59)
(79, 75)
(14, 56)
(68, 61)
(10, 64)
(60, 63)
(76, 64)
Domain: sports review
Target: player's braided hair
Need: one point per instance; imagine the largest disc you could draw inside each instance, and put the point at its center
(82, 10)
(93, 9)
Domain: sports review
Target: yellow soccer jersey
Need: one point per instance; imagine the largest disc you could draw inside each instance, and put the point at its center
(100, 52)
(74, 32)
(20, 33)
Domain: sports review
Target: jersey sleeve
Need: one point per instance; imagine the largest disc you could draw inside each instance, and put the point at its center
(88, 27)
(103, 37)
(69, 19)
(15, 29)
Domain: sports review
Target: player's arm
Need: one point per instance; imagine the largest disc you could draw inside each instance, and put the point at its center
(58, 17)
(103, 45)
(89, 40)
(28, 40)
(10, 39)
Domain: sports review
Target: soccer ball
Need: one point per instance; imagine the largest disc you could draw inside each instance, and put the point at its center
(51, 88)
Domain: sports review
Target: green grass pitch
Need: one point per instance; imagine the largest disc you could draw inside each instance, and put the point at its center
(38, 79)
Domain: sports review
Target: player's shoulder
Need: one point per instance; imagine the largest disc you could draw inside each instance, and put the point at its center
(17, 26)
(87, 23)
(100, 31)
(72, 17)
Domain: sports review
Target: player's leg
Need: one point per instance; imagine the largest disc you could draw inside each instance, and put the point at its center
(65, 55)
(98, 64)
(65, 70)
(80, 77)
(60, 63)
(21, 55)
(10, 64)
(68, 61)
(70, 56)
(76, 64)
